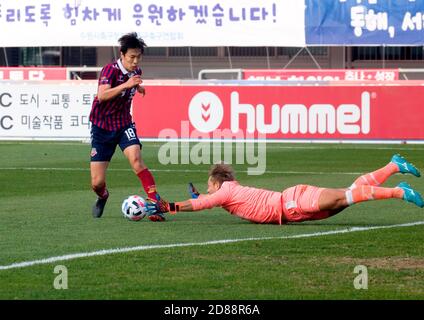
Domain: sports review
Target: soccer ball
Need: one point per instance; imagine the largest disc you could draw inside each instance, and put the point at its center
(133, 208)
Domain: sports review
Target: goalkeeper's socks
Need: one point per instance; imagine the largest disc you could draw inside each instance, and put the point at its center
(148, 182)
(366, 193)
(376, 177)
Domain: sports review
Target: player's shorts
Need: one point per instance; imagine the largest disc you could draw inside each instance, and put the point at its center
(104, 142)
(300, 203)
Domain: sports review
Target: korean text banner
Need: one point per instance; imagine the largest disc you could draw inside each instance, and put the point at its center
(54, 110)
(364, 22)
(159, 22)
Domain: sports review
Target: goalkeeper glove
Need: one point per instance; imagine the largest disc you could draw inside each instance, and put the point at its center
(157, 208)
(151, 207)
(193, 191)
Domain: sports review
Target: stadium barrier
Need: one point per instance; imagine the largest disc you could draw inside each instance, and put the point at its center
(48, 73)
(45, 110)
(84, 73)
(322, 74)
(314, 74)
(292, 111)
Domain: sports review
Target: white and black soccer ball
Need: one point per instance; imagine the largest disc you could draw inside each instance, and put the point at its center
(134, 208)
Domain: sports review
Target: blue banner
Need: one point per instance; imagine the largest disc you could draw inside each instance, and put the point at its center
(364, 22)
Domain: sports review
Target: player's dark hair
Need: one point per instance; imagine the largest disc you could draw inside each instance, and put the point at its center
(131, 41)
(222, 172)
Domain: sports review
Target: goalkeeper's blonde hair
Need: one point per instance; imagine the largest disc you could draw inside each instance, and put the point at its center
(221, 172)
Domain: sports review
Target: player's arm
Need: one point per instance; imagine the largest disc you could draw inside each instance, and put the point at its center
(162, 206)
(180, 206)
(106, 91)
(196, 203)
(199, 204)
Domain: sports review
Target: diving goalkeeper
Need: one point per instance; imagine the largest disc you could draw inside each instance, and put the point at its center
(298, 203)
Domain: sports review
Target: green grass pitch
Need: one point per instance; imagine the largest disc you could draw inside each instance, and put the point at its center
(45, 211)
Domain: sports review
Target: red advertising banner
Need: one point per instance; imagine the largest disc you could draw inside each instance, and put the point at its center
(35, 73)
(281, 112)
(321, 74)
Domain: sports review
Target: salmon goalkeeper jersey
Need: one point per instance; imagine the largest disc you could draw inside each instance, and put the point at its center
(253, 204)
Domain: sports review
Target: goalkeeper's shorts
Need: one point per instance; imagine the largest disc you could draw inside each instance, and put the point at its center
(300, 203)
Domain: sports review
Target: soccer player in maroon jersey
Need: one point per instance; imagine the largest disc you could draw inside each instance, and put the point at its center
(112, 123)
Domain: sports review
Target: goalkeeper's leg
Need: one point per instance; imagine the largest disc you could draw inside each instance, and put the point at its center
(379, 176)
(338, 199)
(303, 202)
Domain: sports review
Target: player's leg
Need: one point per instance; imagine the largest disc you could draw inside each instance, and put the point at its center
(303, 202)
(322, 203)
(333, 201)
(339, 199)
(102, 150)
(379, 176)
(336, 199)
(366, 193)
(131, 148)
(98, 184)
(133, 154)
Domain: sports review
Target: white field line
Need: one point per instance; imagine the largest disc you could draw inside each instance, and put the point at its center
(191, 244)
(273, 144)
(277, 145)
(179, 170)
(293, 146)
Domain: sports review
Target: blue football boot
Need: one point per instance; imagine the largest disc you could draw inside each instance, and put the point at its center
(404, 166)
(411, 195)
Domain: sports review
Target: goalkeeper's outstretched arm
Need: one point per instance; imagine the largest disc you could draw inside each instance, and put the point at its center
(203, 201)
(174, 207)
(200, 202)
